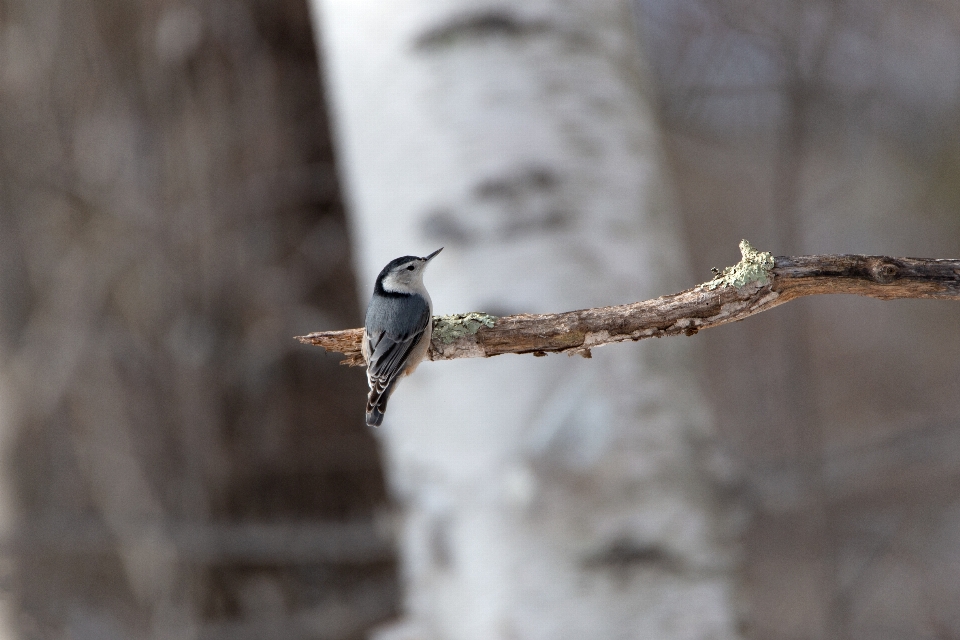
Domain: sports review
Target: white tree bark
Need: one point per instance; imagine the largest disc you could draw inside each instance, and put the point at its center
(541, 497)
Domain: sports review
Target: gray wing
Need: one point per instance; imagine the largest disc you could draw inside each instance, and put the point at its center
(388, 353)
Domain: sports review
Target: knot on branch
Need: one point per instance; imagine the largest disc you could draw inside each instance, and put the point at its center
(884, 271)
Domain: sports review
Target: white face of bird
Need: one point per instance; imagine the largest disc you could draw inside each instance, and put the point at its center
(407, 276)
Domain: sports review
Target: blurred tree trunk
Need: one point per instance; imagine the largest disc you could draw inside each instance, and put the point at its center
(175, 466)
(541, 497)
(824, 127)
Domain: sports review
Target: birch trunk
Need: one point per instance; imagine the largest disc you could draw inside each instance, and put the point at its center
(540, 497)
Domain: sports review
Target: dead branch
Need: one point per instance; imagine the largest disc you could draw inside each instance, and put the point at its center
(757, 283)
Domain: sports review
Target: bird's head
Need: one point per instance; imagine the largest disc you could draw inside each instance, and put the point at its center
(405, 274)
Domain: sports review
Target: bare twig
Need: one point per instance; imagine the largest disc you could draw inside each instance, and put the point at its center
(757, 283)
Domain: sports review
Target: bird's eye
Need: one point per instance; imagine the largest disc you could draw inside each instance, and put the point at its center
(411, 268)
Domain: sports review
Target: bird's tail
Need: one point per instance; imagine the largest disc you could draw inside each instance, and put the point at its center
(377, 404)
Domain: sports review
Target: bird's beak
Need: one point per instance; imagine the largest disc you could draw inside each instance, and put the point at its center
(433, 255)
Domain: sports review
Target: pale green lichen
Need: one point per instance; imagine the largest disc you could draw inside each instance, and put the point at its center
(753, 268)
(450, 328)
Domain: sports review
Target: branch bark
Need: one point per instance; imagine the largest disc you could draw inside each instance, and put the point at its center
(757, 283)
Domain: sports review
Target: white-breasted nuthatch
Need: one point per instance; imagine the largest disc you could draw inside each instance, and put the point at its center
(397, 331)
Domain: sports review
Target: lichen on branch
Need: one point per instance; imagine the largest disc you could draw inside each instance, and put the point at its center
(755, 266)
(446, 329)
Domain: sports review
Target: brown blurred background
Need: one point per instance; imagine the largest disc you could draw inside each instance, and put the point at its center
(175, 465)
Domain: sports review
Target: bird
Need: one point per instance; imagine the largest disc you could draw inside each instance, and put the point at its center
(397, 329)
